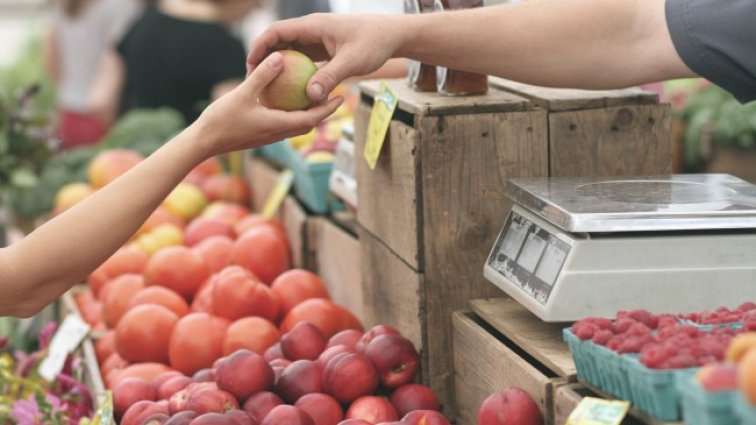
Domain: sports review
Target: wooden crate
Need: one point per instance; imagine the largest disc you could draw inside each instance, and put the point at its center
(602, 133)
(337, 262)
(501, 344)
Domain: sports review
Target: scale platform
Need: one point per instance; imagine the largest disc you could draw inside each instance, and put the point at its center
(572, 248)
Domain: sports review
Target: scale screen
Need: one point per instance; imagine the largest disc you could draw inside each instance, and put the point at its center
(529, 256)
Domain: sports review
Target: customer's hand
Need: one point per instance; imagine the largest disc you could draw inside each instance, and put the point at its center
(238, 121)
(352, 45)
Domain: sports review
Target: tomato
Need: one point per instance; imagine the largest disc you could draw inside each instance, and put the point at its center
(112, 363)
(252, 333)
(89, 307)
(216, 251)
(177, 268)
(162, 296)
(202, 228)
(295, 286)
(144, 332)
(225, 187)
(209, 167)
(327, 316)
(263, 251)
(196, 342)
(147, 371)
(236, 295)
(105, 346)
(229, 212)
(159, 217)
(254, 220)
(117, 297)
(127, 260)
(203, 302)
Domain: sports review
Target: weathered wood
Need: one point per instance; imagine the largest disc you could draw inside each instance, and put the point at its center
(566, 399)
(618, 141)
(261, 177)
(388, 194)
(295, 222)
(429, 103)
(540, 339)
(484, 365)
(556, 99)
(338, 265)
(466, 161)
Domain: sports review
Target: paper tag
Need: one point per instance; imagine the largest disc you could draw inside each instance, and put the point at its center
(597, 411)
(66, 339)
(278, 194)
(380, 118)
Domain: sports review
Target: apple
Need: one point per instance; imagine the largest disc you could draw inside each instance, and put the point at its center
(274, 352)
(354, 422)
(349, 376)
(349, 338)
(718, 377)
(287, 415)
(299, 378)
(202, 228)
(288, 91)
(156, 419)
(204, 375)
(372, 409)
(165, 376)
(208, 400)
(240, 417)
(129, 391)
(414, 397)
(244, 373)
(140, 410)
(177, 402)
(172, 386)
(395, 359)
(424, 417)
(322, 408)
(376, 331)
(181, 418)
(303, 342)
(259, 405)
(213, 418)
(511, 406)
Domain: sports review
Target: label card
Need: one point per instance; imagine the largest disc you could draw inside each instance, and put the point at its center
(278, 194)
(380, 119)
(597, 411)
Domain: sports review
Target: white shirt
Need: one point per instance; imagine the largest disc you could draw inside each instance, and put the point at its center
(367, 6)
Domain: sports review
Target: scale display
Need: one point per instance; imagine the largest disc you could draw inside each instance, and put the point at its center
(529, 256)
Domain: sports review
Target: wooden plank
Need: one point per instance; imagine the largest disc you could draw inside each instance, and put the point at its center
(540, 339)
(566, 399)
(338, 264)
(430, 103)
(484, 365)
(619, 141)
(466, 161)
(562, 99)
(388, 194)
(294, 219)
(261, 177)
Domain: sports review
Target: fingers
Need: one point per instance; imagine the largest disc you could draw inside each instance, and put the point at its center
(303, 34)
(306, 119)
(264, 73)
(330, 75)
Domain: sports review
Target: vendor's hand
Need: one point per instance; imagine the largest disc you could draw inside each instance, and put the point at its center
(353, 45)
(238, 121)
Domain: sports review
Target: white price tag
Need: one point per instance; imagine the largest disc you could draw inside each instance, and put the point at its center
(66, 339)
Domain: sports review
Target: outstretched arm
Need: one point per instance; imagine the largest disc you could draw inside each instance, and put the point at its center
(39, 268)
(594, 44)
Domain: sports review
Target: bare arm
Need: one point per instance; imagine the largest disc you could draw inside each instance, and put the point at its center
(50, 54)
(39, 268)
(595, 44)
(106, 89)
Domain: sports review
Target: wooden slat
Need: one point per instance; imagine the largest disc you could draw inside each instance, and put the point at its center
(484, 365)
(540, 339)
(294, 220)
(566, 399)
(261, 177)
(619, 141)
(338, 264)
(556, 99)
(428, 103)
(388, 194)
(466, 161)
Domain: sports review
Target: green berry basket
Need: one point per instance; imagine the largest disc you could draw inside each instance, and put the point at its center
(702, 407)
(744, 411)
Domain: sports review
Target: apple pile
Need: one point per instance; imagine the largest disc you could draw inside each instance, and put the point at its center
(511, 406)
(304, 379)
(666, 341)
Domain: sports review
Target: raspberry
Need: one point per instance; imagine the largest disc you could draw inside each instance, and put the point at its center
(634, 344)
(666, 321)
(746, 306)
(654, 355)
(682, 361)
(614, 343)
(642, 316)
(602, 336)
(638, 329)
(584, 330)
(750, 326)
(623, 324)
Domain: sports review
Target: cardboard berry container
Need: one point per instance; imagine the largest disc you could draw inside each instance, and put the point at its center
(583, 354)
(277, 153)
(744, 411)
(656, 391)
(701, 407)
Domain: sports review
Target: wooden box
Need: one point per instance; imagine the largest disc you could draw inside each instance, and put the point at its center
(500, 344)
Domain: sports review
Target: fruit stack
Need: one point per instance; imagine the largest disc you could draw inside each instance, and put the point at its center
(640, 356)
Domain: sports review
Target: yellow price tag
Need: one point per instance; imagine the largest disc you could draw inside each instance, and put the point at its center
(597, 411)
(380, 118)
(277, 195)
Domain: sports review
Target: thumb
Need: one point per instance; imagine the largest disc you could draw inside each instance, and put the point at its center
(264, 73)
(328, 77)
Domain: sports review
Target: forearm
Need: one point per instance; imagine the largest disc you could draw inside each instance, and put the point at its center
(593, 44)
(62, 252)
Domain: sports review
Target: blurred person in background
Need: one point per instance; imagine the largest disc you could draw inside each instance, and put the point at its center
(179, 54)
(78, 34)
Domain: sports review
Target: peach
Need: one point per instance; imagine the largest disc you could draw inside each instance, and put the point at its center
(395, 359)
(216, 251)
(372, 409)
(229, 212)
(181, 418)
(274, 352)
(286, 415)
(244, 373)
(424, 417)
(208, 400)
(70, 195)
(240, 417)
(186, 201)
(414, 397)
(303, 342)
(130, 391)
(164, 377)
(511, 406)
(374, 333)
(177, 268)
(739, 346)
(747, 375)
(212, 418)
(322, 408)
(349, 376)
(332, 352)
(260, 404)
(140, 410)
(236, 296)
(354, 422)
(172, 386)
(251, 333)
(225, 187)
(202, 228)
(263, 251)
(156, 419)
(299, 378)
(349, 338)
(204, 375)
(177, 402)
(110, 164)
(288, 91)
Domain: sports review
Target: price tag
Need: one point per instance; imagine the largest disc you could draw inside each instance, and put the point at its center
(66, 339)
(597, 411)
(278, 194)
(380, 118)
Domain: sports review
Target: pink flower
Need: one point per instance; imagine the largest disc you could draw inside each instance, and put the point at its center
(46, 335)
(26, 412)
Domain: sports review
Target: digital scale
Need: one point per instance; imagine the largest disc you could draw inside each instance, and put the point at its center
(343, 182)
(572, 248)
